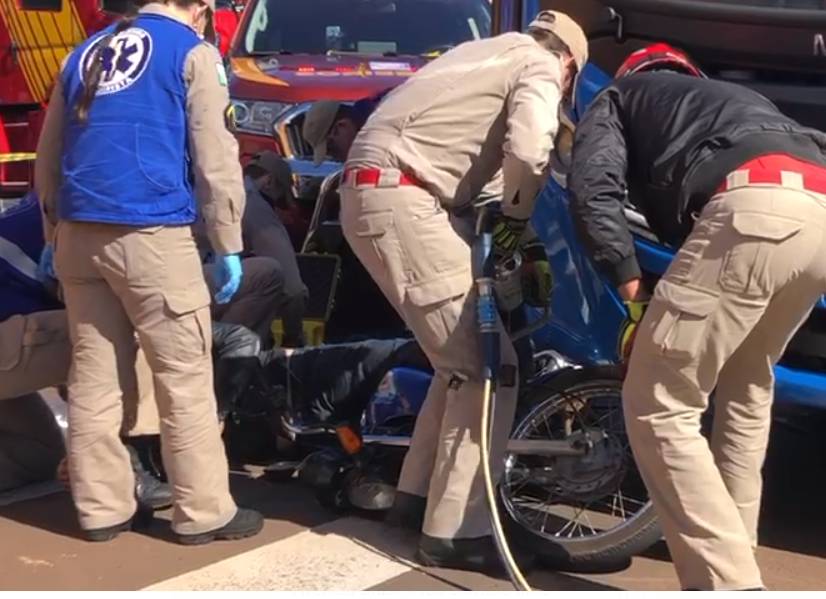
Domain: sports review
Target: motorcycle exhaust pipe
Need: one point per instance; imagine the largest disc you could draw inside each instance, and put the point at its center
(538, 447)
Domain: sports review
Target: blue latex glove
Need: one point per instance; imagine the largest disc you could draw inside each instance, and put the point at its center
(228, 277)
(45, 268)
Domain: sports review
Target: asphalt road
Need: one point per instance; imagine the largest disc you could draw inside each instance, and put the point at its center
(303, 547)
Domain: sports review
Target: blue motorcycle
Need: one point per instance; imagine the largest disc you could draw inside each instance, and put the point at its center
(579, 503)
(570, 491)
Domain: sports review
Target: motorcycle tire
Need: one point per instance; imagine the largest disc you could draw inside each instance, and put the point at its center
(606, 550)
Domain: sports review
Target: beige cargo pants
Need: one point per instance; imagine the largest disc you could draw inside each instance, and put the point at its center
(408, 244)
(118, 281)
(35, 352)
(737, 290)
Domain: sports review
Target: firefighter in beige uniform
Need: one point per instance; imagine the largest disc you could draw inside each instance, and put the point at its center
(740, 188)
(129, 108)
(424, 154)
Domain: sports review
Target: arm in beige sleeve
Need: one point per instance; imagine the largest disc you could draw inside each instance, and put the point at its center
(219, 186)
(533, 106)
(47, 166)
(493, 189)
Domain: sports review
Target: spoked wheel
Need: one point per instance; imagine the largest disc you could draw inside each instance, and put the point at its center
(587, 512)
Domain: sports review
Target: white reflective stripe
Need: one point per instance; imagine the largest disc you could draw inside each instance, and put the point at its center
(389, 177)
(17, 258)
(791, 180)
(737, 179)
(349, 554)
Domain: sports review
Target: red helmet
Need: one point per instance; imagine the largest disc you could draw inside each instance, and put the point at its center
(656, 57)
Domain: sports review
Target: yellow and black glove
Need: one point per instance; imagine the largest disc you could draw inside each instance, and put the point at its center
(537, 277)
(506, 235)
(628, 332)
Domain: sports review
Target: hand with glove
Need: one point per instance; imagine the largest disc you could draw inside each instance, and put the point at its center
(628, 332)
(45, 268)
(537, 276)
(228, 277)
(507, 233)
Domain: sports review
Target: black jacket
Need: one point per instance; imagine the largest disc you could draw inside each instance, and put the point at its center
(669, 140)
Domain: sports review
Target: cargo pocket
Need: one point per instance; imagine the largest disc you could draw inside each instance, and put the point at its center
(189, 325)
(432, 311)
(372, 227)
(683, 326)
(375, 241)
(439, 289)
(431, 243)
(746, 265)
(11, 343)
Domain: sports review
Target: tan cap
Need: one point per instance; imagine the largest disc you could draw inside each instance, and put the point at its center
(280, 183)
(566, 29)
(317, 125)
(210, 3)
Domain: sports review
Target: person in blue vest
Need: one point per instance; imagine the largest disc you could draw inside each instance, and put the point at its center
(133, 148)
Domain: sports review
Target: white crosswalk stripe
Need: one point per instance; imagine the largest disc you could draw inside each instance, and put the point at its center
(349, 554)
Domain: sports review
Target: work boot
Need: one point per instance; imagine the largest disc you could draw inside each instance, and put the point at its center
(476, 555)
(245, 523)
(140, 520)
(150, 492)
(407, 511)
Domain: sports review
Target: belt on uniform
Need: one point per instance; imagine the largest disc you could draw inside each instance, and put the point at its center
(777, 169)
(378, 177)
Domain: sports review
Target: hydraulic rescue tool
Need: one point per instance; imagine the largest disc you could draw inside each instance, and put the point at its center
(484, 265)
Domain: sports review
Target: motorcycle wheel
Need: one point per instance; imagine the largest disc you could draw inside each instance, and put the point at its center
(586, 513)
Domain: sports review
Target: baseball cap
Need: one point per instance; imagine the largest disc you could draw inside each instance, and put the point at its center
(566, 29)
(317, 125)
(280, 184)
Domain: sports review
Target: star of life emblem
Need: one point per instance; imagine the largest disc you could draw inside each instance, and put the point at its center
(125, 59)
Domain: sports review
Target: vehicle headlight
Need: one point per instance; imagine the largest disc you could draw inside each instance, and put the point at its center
(256, 117)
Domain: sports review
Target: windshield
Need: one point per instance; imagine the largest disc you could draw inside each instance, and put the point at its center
(364, 26)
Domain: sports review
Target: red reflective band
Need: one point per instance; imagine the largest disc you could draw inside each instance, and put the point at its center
(769, 169)
(366, 177)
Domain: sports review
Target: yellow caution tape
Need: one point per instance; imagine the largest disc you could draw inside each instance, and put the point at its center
(17, 157)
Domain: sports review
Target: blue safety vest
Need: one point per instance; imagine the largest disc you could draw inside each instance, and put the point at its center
(21, 242)
(129, 163)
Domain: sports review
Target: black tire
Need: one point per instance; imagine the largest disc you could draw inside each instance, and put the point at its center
(606, 550)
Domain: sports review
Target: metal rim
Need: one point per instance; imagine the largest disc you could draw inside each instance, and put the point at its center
(608, 496)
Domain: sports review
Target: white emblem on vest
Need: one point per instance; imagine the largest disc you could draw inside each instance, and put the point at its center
(124, 60)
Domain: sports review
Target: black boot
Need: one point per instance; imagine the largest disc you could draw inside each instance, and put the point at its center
(142, 519)
(407, 511)
(150, 492)
(477, 555)
(245, 523)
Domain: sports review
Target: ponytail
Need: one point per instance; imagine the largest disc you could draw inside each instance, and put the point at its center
(92, 75)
